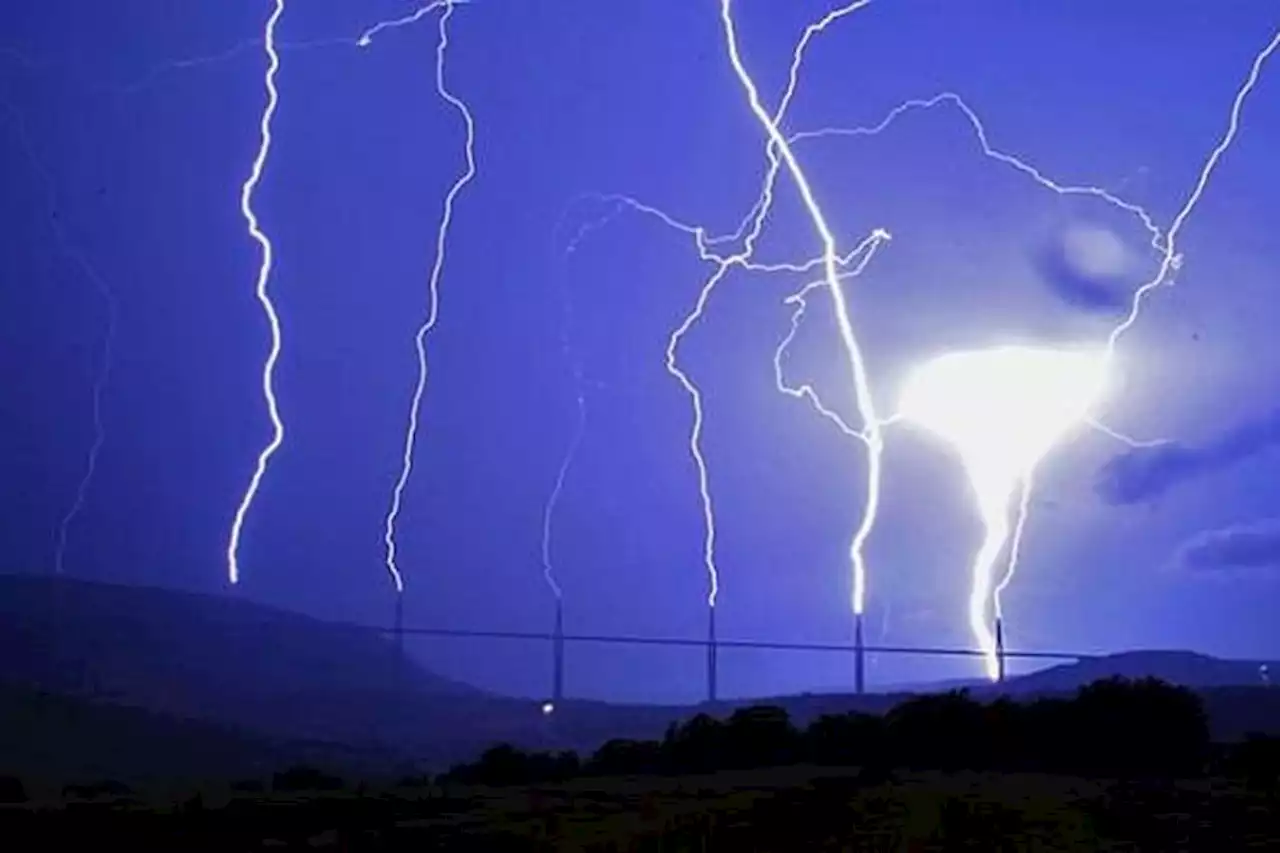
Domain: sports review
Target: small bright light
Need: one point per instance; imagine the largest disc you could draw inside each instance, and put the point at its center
(1002, 409)
(548, 708)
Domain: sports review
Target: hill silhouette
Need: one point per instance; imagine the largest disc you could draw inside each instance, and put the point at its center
(1188, 669)
(60, 738)
(158, 646)
(269, 679)
(242, 665)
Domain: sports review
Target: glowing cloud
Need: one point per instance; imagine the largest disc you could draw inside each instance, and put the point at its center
(1002, 410)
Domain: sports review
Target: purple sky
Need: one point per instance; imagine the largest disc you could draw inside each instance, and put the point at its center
(120, 152)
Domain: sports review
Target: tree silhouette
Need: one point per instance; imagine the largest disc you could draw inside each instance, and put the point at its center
(1113, 728)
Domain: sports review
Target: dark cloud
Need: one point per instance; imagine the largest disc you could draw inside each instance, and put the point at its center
(1145, 473)
(1253, 547)
(1092, 293)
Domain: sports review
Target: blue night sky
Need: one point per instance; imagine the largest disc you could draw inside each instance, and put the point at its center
(127, 129)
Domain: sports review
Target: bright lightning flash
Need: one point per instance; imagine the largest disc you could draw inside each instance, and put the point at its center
(1002, 409)
(831, 263)
(268, 308)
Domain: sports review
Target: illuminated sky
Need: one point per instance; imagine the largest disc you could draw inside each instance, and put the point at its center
(1174, 546)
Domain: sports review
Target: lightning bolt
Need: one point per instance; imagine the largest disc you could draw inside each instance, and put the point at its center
(997, 532)
(777, 151)
(575, 440)
(105, 359)
(260, 289)
(866, 250)
(988, 150)
(871, 431)
(562, 473)
(1170, 261)
(1165, 244)
(1015, 543)
(366, 38)
(1123, 438)
(433, 284)
(747, 234)
(106, 356)
(799, 299)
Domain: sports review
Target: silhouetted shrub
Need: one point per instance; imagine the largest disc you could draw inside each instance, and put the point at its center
(12, 790)
(945, 731)
(1145, 727)
(760, 736)
(1110, 728)
(694, 746)
(621, 757)
(505, 764)
(1256, 761)
(845, 740)
(303, 778)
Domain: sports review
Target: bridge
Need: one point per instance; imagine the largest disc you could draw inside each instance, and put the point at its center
(557, 638)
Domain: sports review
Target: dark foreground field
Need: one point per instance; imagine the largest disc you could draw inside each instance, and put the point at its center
(784, 810)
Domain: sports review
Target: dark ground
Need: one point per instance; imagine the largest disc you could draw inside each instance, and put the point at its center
(784, 810)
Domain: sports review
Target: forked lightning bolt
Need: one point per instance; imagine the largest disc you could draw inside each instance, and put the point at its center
(752, 225)
(866, 251)
(366, 38)
(1170, 259)
(747, 233)
(264, 298)
(433, 292)
(871, 427)
(808, 392)
(1164, 244)
(1169, 262)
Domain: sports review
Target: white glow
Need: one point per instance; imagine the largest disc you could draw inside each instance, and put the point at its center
(548, 708)
(1095, 252)
(1002, 409)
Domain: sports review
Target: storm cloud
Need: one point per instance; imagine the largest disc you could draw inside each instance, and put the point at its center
(1088, 269)
(1145, 473)
(1251, 547)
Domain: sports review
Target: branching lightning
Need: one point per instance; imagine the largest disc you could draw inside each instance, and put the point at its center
(871, 426)
(866, 251)
(433, 284)
(1121, 437)
(1170, 260)
(1002, 410)
(366, 38)
(980, 131)
(264, 298)
(106, 355)
(998, 532)
(747, 234)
